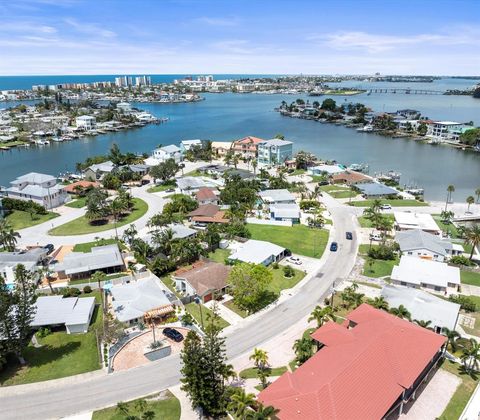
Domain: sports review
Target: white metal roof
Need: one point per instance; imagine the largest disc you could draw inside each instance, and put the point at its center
(423, 221)
(275, 196)
(56, 310)
(256, 252)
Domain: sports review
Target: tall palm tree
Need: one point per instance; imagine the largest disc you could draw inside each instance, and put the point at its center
(470, 200)
(379, 302)
(116, 208)
(322, 315)
(471, 356)
(8, 236)
(254, 166)
(241, 402)
(452, 337)
(401, 312)
(235, 160)
(477, 193)
(303, 348)
(260, 360)
(472, 237)
(450, 190)
(130, 234)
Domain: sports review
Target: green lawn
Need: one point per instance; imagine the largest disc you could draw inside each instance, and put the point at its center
(194, 310)
(219, 255)
(81, 225)
(21, 219)
(393, 203)
(470, 277)
(328, 188)
(300, 239)
(379, 268)
(365, 223)
(339, 191)
(87, 246)
(448, 228)
(231, 305)
(462, 394)
(162, 187)
(280, 282)
(61, 355)
(77, 203)
(165, 408)
(252, 373)
(298, 172)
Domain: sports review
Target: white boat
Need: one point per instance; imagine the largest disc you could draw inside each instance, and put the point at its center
(57, 139)
(366, 129)
(40, 142)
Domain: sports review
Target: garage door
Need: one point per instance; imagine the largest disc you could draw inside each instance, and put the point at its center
(207, 298)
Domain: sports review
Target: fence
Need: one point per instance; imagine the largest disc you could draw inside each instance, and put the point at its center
(255, 221)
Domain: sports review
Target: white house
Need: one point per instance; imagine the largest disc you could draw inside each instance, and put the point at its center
(188, 144)
(258, 252)
(325, 169)
(86, 122)
(29, 259)
(285, 212)
(447, 130)
(419, 273)
(424, 245)
(163, 154)
(274, 152)
(280, 196)
(411, 221)
(40, 188)
(125, 107)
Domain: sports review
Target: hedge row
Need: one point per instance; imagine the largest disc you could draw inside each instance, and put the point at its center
(22, 205)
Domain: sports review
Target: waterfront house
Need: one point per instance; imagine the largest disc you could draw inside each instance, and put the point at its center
(425, 245)
(206, 280)
(258, 252)
(188, 144)
(72, 312)
(279, 196)
(144, 298)
(163, 154)
(96, 171)
(376, 190)
(413, 221)
(368, 367)
(423, 306)
(40, 188)
(221, 148)
(419, 273)
(125, 107)
(411, 114)
(350, 178)
(77, 186)
(78, 265)
(447, 131)
(247, 147)
(86, 122)
(325, 170)
(274, 152)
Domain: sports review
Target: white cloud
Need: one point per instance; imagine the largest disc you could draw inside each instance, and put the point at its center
(218, 21)
(90, 28)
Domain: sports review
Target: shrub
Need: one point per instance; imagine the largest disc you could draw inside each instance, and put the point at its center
(465, 302)
(87, 290)
(156, 345)
(71, 292)
(275, 265)
(288, 271)
(43, 332)
(382, 252)
(461, 260)
(22, 205)
(171, 319)
(187, 319)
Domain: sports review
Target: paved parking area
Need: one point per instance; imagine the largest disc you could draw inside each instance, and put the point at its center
(131, 355)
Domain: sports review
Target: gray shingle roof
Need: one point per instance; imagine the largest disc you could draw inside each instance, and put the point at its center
(418, 239)
(375, 188)
(34, 178)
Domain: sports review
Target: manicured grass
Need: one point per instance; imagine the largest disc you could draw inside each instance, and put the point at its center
(162, 187)
(328, 188)
(165, 408)
(87, 246)
(470, 277)
(77, 203)
(194, 310)
(21, 219)
(88, 280)
(393, 203)
(339, 191)
(379, 268)
(300, 239)
(81, 225)
(219, 255)
(231, 305)
(195, 172)
(448, 228)
(462, 394)
(280, 282)
(252, 372)
(365, 223)
(61, 355)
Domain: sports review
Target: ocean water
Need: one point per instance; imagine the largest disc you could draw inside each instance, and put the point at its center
(232, 116)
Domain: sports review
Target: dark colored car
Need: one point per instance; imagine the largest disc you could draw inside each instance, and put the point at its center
(170, 190)
(49, 248)
(173, 334)
(349, 236)
(333, 246)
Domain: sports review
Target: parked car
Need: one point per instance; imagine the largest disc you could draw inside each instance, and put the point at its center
(376, 237)
(349, 236)
(294, 260)
(386, 207)
(49, 248)
(173, 334)
(170, 190)
(333, 246)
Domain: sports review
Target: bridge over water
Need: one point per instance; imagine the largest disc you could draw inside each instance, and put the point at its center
(406, 91)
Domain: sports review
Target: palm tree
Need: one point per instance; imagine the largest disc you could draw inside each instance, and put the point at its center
(241, 402)
(130, 234)
(472, 237)
(450, 190)
(98, 277)
(422, 323)
(262, 413)
(477, 193)
(260, 360)
(322, 315)
(401, 312)
(452, 337)
(116, 208)
(8, 237)
(235, 160)
(254, 166)
(379, 302)
(470, 200)
(471, 356)
(303, 348)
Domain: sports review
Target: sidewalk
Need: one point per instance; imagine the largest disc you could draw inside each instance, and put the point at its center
(227, 314)
(187, 412)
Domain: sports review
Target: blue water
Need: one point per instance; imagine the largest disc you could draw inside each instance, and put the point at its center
(231, 116)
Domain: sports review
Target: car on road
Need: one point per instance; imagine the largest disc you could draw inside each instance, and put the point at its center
(173, 334)
(349, 236)
(170, 190)
(386, 207)
(333, 246)
(294, 260)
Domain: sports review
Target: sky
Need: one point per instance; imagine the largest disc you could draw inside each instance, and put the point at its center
(54, 37)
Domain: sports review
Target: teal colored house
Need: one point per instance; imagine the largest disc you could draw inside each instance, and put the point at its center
(274, 152)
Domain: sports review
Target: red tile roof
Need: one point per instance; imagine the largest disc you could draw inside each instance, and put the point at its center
(249, 140)
(359, 373)
(205, 194)
(70, 188)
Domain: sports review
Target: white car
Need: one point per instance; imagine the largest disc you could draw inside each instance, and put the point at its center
(376, 237)
(294, 260)
(386, 207)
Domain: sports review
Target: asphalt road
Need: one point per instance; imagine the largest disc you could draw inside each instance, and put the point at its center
(62, 398)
